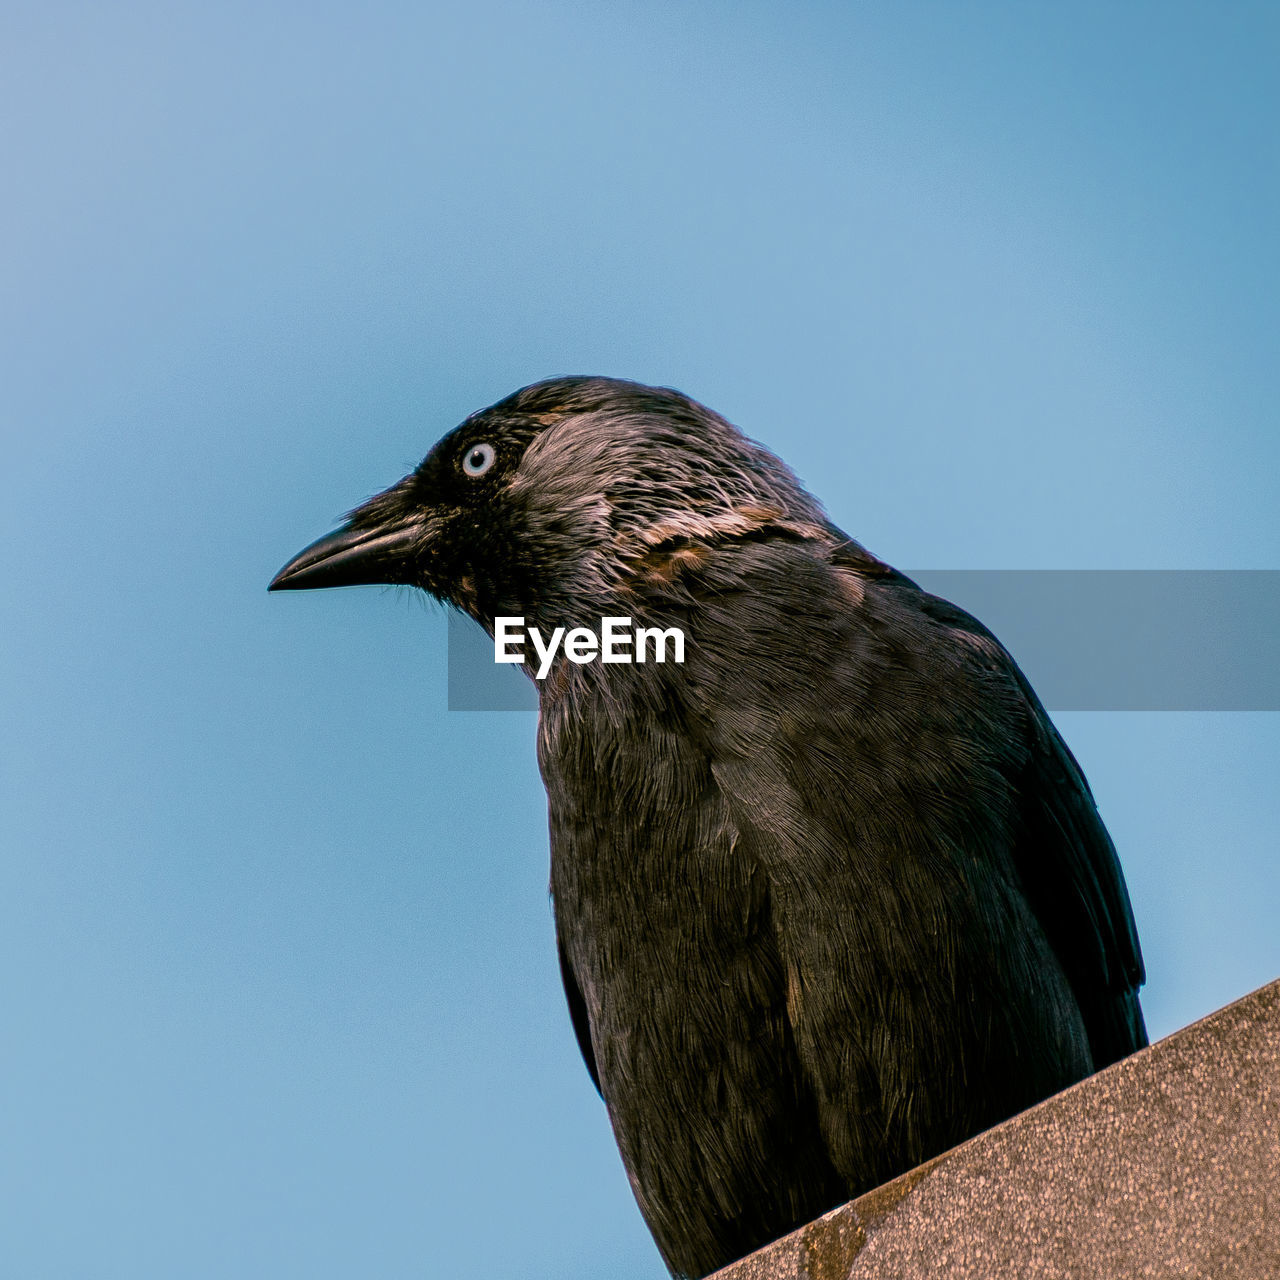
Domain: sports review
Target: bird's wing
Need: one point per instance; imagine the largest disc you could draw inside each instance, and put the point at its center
(888, 764)
(578, 1013)
(1069, 869)
(1073, 883)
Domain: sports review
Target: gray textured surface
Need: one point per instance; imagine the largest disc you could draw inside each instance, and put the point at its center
(1167, 1164)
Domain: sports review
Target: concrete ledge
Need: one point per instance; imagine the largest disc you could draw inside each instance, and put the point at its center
(1166, 1164)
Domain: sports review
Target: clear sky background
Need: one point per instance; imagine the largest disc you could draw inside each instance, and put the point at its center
(279, 992)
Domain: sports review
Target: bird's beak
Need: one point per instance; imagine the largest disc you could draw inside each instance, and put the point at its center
(352, 556)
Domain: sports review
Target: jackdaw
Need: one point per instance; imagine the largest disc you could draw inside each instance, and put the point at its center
(830, 896)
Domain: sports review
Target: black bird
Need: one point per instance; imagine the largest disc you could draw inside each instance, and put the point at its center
(832, 895)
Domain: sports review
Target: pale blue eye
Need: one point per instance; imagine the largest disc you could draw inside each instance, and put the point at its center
(478, 459)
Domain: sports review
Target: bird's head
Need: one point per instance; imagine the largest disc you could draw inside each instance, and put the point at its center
(562, 500)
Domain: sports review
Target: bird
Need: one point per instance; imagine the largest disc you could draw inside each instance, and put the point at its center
(831, 895)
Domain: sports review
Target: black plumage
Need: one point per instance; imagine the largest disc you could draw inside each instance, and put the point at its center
(830, 896)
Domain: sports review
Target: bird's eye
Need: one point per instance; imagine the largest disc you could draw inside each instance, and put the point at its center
(478, 459)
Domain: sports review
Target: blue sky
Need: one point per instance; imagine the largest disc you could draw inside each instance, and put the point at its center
(998, 280)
